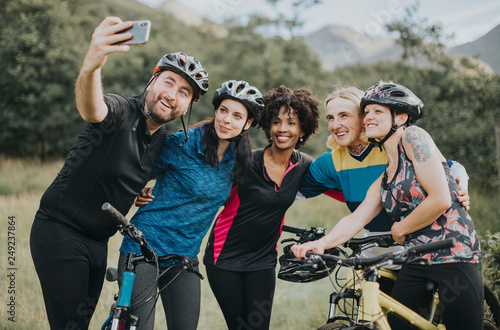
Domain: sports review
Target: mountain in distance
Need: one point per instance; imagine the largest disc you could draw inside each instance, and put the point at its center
(190, 18)
(338, 46)
(486, 49)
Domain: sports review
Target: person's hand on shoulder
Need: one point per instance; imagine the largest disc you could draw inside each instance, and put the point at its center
(145, 196)
(463, 195)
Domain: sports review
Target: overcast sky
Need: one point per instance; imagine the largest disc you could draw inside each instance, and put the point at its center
(468, 19)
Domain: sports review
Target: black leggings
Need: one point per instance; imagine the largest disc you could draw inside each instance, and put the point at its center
(246, 298)
(180, 295)
(460, 291)
(71, 268)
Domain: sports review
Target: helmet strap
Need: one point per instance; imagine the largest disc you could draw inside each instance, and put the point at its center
(184, 126)
(394, 128)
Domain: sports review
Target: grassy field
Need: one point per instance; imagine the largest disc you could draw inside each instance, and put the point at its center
(297, 306)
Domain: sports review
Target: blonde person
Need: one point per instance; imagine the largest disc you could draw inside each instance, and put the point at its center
(420, 195)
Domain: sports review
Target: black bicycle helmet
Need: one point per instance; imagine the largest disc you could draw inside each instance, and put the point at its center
(396, 97)
(303, 271)
(188, 67)
(241, 91)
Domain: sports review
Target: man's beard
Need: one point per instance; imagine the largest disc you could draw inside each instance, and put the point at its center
(158, 116)
(159, 119)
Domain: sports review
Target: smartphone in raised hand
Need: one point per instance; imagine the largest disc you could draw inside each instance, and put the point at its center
(140, 33)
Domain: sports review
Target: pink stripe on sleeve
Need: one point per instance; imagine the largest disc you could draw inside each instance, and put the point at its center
(224, 222)
(281, 232)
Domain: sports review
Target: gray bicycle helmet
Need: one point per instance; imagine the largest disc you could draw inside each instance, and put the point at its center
(188, 67)
(396, 97)
(241, 91)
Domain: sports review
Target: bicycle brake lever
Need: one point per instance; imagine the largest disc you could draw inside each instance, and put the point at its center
(133, 233)
(386, 242)
(197, 273)
(188, 266)
(148, 254)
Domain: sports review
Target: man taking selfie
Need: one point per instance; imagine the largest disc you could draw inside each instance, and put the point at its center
(110, 162)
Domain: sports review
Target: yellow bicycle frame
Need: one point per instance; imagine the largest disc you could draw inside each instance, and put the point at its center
(374, 302)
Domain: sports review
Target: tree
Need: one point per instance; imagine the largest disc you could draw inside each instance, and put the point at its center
(38, 68)
(266, 63)
(420, 39)
(293, 21)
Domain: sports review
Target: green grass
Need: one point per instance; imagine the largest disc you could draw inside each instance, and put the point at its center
(21, 176)
(296, 306)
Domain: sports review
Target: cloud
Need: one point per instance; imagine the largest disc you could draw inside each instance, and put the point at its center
(473, 11)
(468, 20)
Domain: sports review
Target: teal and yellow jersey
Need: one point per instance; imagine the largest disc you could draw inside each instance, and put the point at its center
(340, 170)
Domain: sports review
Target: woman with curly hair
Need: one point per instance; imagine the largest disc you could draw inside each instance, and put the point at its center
(240, 256)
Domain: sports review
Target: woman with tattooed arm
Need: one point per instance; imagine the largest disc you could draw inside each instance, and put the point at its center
(420, 195)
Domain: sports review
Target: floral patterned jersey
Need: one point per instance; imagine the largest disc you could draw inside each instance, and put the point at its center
(404, 193)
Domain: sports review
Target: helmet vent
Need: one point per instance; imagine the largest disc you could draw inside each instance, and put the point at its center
(398, 94)
(182, 59)
(240, 88)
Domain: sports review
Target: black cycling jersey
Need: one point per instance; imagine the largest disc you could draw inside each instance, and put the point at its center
(245, 234)
(110, 162)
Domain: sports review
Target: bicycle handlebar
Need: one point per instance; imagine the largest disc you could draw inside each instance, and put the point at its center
(186, 262)
(314, 233)
(148, 255)
(115, 214)
(398, 257)
(434, 246)
(305, 235)
(127, 228)
(379, 240)
(293, 230)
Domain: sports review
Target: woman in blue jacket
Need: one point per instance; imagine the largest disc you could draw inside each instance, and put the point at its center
(193, 181)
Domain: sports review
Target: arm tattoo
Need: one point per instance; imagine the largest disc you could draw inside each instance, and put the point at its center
(420, 143)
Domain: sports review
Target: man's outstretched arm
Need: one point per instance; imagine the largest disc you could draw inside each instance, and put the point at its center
(88, 90)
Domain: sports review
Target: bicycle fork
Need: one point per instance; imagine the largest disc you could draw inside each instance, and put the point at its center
(347, 295)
